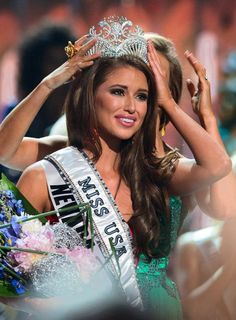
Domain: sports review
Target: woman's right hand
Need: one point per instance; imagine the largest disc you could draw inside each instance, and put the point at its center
(75, 64)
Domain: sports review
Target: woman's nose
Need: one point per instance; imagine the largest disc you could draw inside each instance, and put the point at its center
(130, 105)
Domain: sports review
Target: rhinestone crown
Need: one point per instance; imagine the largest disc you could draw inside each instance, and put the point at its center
(117, 36)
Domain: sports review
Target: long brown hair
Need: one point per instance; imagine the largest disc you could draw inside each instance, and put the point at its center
(145, 174)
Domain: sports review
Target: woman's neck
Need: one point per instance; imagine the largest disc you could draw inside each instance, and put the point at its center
(109, 159)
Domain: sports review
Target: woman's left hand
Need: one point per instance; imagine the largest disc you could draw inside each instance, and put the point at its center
(200, 95)
(161, 77)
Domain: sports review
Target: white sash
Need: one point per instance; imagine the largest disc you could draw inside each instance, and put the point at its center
(72, 178)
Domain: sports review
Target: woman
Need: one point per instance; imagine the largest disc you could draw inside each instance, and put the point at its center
(118, 182)
(18, 152)
(114, 102)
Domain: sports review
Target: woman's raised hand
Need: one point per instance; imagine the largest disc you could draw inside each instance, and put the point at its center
(161, 77)
(200, 95)
(75, 64)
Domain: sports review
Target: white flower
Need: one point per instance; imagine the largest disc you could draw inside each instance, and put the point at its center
(31, 227)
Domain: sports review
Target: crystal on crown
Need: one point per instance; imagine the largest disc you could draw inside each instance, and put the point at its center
(117, 36)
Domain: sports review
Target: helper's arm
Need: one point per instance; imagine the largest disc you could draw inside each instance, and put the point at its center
(19, 152)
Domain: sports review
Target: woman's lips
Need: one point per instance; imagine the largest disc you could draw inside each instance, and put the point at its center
(126, 121)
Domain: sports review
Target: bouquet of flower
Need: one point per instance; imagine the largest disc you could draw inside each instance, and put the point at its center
(39, 258)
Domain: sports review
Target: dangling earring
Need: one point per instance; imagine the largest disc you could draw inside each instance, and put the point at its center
(163, 131)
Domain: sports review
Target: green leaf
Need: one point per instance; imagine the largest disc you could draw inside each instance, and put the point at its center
(7, 291)
(6, 184)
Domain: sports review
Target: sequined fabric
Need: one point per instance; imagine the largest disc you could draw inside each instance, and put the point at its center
(159, 293)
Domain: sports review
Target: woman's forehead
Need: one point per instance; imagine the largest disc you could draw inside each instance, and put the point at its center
(126, 74)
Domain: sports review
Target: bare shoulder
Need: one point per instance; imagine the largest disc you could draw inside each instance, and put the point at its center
(33, 172)
(33, 185)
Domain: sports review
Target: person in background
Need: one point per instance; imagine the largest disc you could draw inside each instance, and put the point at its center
(40, 52)
(205, 272)
(227, 114)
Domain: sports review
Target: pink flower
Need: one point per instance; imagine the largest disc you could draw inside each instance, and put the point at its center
(84, 259)
(42, 240)
(38, 237)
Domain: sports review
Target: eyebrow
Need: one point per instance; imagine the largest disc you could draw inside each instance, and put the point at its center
(125, 87)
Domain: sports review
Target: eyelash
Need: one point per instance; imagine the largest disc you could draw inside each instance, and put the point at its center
(121, 92)
(118, 92)
(143, 96)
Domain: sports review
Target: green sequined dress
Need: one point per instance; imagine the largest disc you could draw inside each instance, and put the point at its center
(159, 293)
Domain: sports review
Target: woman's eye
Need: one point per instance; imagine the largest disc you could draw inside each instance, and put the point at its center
(118, 92)
(142, 96)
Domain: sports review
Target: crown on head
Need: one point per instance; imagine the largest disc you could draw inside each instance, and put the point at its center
(116, 37)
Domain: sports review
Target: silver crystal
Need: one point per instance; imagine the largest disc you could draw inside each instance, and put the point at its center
(116, 37)
(66, 237)
(55, 275)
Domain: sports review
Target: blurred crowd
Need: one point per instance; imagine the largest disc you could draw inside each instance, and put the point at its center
(32, 41)
(205, 27)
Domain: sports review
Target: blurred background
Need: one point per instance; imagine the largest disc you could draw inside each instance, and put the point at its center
(206, 27)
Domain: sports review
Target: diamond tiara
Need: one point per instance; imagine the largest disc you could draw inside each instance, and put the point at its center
(116, 37)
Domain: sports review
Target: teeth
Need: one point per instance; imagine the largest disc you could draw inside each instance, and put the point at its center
(127, 120)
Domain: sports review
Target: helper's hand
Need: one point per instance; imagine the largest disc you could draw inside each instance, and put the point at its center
(73, 65)
(200, 95)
